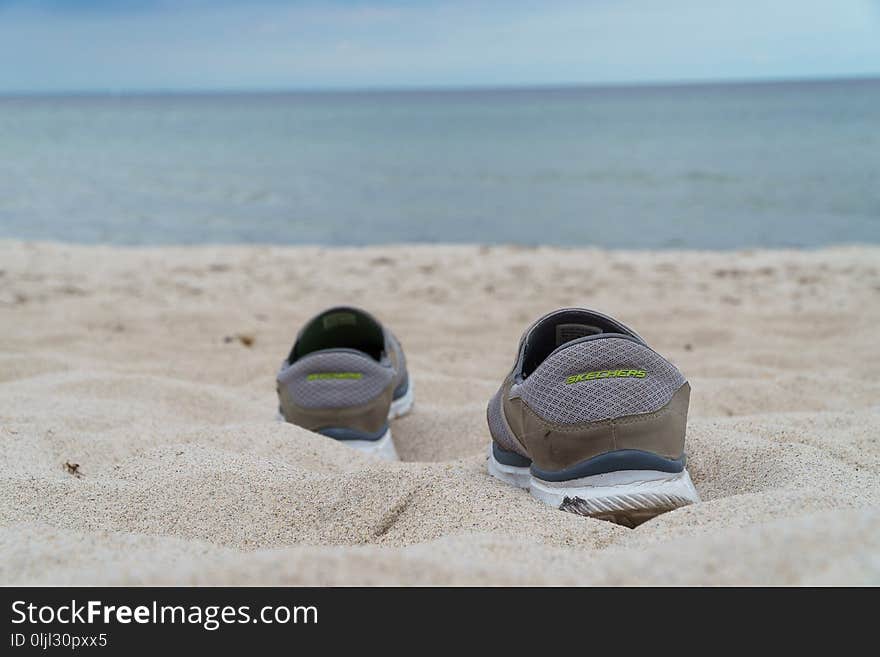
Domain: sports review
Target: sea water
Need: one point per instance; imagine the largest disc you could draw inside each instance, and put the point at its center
(702, 166)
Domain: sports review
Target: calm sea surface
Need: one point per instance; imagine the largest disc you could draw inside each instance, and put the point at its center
(723, 166)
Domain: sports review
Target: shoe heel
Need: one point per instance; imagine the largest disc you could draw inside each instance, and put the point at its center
(509, 467)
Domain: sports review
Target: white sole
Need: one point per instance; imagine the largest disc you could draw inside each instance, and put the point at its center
(627, 497)
(382, 448)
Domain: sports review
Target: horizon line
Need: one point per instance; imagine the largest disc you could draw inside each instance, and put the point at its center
(403, 89)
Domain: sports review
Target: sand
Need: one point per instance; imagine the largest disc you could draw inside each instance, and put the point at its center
(119, 361)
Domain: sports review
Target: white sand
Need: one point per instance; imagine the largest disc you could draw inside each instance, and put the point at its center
(115, 359)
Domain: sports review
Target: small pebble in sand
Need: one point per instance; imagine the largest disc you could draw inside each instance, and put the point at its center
(243, 338)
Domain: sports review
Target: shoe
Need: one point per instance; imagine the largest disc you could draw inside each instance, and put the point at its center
(592, 420)
(346, 378)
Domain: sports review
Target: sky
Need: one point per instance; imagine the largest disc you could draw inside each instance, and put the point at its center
(238, 45)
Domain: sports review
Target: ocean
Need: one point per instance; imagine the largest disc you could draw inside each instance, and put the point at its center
(694, 166)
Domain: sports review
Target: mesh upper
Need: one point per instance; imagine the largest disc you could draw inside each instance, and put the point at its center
(546, 392)
(335, 393)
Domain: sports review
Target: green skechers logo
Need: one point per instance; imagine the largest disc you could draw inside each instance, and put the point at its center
(323, 376)
(606, 374)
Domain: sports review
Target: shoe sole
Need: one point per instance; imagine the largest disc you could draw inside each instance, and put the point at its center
(383, 447)
(625, 497)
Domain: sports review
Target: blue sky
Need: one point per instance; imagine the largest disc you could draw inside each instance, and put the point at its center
(143, 45)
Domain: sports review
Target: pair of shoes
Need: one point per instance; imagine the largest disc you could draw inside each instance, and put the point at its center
(590, 419)
(346, 378)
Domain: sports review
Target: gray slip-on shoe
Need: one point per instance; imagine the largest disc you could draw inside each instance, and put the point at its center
(345, 378)
(592, 420)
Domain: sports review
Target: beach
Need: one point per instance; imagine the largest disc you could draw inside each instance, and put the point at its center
(139, 445)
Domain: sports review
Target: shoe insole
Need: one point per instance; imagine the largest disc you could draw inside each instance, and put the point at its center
(340, 328)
